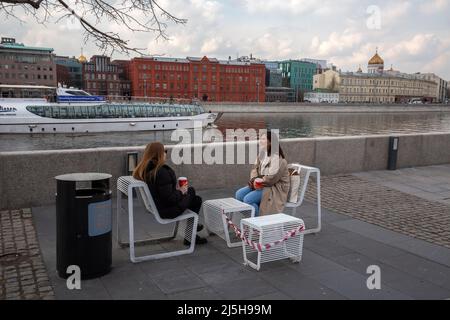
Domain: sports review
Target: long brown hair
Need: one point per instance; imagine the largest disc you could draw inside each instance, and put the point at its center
(275, 138)
(153, 152)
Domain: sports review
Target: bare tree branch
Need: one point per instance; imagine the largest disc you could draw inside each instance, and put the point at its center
(34, 4)
(146, 16)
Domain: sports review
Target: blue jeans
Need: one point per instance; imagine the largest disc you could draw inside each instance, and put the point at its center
(251, 197)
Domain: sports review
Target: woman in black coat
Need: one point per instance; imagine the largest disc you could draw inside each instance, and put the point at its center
(170, 199)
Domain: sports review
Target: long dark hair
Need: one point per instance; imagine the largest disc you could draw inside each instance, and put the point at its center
(275, 139)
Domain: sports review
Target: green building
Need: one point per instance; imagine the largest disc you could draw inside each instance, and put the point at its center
(298, 75)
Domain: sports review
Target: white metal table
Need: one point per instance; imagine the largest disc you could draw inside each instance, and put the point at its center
(273, 237)
(216, 213)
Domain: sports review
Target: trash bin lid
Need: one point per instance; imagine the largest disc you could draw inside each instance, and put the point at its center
(86, 176)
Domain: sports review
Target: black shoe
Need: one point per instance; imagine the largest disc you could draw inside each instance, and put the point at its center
(199, 227)
(198, 240)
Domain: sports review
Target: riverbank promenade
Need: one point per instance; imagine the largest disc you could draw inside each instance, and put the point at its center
(396, 220)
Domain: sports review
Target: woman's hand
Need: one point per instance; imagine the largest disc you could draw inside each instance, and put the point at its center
(257, 186)
(251, 183)
(184, 189)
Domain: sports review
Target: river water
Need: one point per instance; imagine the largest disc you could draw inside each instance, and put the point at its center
(291, 125)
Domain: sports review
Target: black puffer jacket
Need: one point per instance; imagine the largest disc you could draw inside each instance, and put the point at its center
(170, 202)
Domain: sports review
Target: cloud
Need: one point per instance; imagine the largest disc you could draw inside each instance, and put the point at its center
(414, 34)
(433, 6)
(337, 43)
(211, 45)
(419, 46)
(291, 6)
(394, 11)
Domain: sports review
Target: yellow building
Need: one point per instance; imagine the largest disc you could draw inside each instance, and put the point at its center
(378, 85)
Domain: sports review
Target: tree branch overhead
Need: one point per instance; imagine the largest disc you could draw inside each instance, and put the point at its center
(153, 18)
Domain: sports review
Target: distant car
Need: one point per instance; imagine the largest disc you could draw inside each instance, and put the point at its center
(415, 101)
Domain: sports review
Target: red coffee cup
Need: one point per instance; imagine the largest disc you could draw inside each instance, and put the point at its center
(182, 181)
(259, 183)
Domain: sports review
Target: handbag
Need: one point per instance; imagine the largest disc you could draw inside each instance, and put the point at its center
(294, 187)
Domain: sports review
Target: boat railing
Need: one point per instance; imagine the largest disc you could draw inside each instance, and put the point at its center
(161, 100)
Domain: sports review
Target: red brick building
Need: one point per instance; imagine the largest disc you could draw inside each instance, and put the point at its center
(105, 78)
(204, 78)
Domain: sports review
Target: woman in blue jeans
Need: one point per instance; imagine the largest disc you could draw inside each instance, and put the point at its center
(250, 196)
(270, 196)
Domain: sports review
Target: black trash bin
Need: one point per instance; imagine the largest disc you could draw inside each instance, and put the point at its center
(393, 153)
(83, 224)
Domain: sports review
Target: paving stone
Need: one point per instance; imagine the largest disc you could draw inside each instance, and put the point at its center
(383, 206)
(410, 285)
(196, 294)
(243, 289)
(353, 286)
(170, 282)
(300, 287)
(209, 271)
(18, 235)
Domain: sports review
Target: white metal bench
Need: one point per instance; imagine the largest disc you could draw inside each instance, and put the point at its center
(303, 187)
(189, 219)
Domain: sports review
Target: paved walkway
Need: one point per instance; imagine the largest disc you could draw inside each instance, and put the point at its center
(333, 267)
(22, 272)
(369, 221)
(431, 183)
(379, 203)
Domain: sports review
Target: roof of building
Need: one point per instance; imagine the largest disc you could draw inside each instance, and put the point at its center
(385, 74)
(279, 89)
(198, 59)
(376, 59)
(82, 59)
(21, 46)
(299, 61)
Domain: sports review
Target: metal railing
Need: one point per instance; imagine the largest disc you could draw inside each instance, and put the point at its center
(161, 100)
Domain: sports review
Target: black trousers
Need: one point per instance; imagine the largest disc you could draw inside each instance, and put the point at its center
(195, 204)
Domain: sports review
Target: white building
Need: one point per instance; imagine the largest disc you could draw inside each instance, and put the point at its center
(442, 85)
(321, 97)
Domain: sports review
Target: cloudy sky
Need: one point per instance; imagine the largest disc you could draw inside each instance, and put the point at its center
(413, 36)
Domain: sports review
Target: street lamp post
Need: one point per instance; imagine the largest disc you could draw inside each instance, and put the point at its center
(145, 88)
(257, 85)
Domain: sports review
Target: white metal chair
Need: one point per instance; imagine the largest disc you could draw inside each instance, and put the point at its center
(303, 187)
(126, 185)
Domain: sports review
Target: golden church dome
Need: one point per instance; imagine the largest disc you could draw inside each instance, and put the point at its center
(82, 59)
(376, 59)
